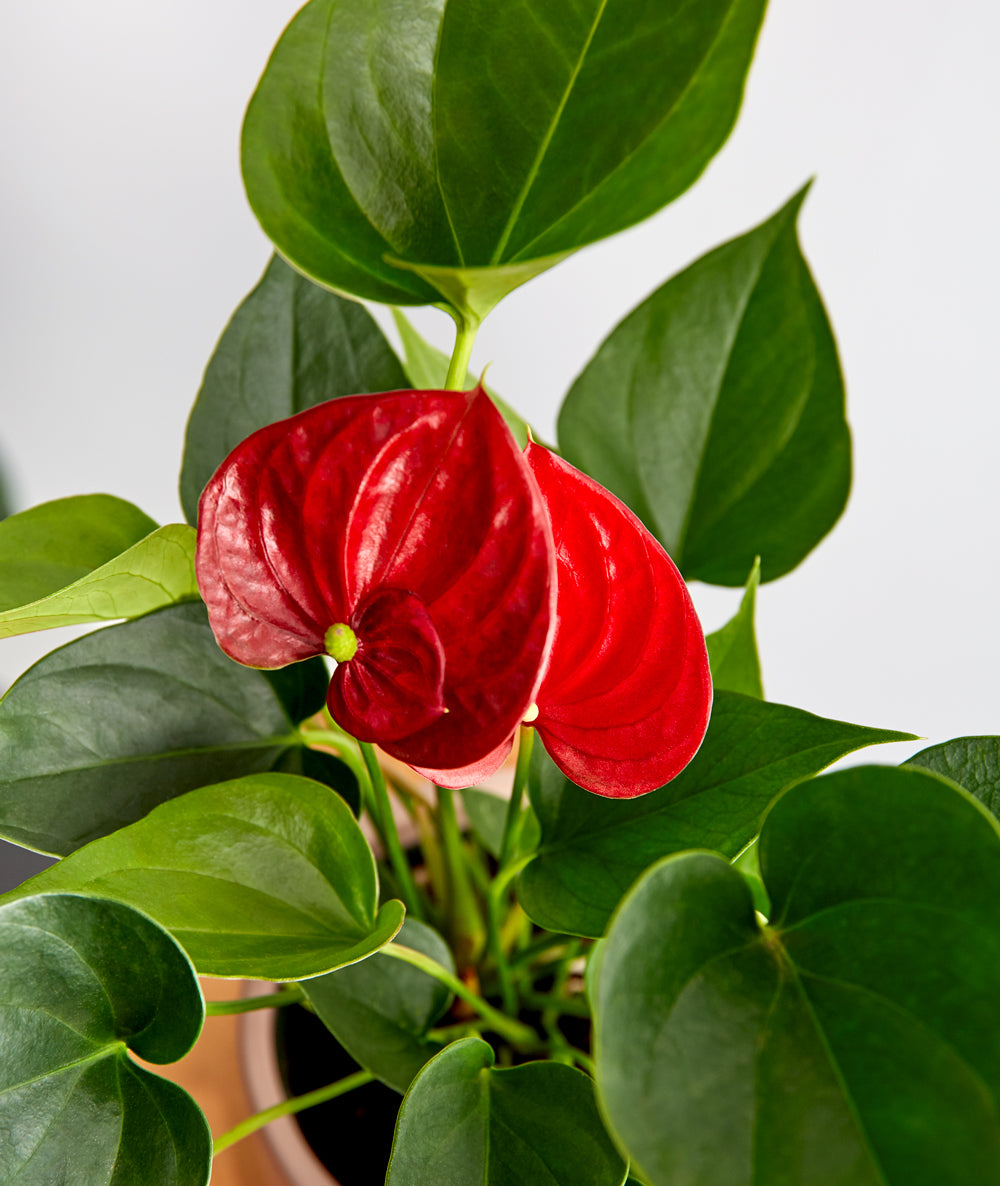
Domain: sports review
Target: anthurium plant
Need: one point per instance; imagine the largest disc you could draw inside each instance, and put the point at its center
(660, 946)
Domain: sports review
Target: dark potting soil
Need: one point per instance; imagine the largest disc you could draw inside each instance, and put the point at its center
(351, 1135)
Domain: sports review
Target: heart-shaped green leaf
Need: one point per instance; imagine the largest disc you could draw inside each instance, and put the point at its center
(592, 849)
(850, 1042)
(105, 728)
(715, 410)
(464, 1120)
(267, 877)
(381, 1009)
(55, 544)
(409, 152)
(732, 651)
(289, 345)
(157, 571)
(82, 982)
(972, 762)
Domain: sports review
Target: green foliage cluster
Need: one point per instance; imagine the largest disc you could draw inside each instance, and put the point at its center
(790, 975)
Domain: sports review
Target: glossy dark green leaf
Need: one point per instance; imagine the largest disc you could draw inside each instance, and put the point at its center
(381, 1009)
(851, 1042)
(267, 877)
(289, 345)
(556, 125)
(294, 184)
(82, 982)
(487, 814)
(464, 1120)
(592, 849)
(427, 367)
(400, 154)
(325, 768)
(972, 762)
(716, 411)
(157, 571)
(732, 651)
(48, 547)
(108, 726)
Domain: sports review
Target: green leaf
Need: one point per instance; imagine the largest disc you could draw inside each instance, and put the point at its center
(103, 729)
(487, 814)
(464, 1120)
(153, 573)
(267, 877)
(289, 345)
(715, 410)
(427, 367)
(48, 547)
(850, 1043)
(83, 982)
(732, 651)
(592, 849)
(972, 762)
(556, 125)
(381, 1009)
(408, 151)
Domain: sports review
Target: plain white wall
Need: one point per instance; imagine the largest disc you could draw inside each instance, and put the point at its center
(127, 243)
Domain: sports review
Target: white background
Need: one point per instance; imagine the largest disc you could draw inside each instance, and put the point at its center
(127, 243)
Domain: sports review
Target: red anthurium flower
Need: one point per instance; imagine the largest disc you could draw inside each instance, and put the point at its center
(626, 697)
(404, 535)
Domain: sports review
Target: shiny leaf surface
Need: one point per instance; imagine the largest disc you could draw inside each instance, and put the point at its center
(381, 1009)
(852, 1041)
(103, 729)
(972, 762)
(267, 877)
(48, 547)
(83, 982)
(290, 345)
(410, 518)
(715, 410)
(593, 849)
(464, 1120)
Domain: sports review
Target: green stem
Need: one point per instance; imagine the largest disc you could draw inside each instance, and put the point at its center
(387, 826)
(346, 749)
(521, 1036)
(513, 816)
(458, 368)
(575, 1006)
(289, 1107)
(272, 1000)
(465, 923)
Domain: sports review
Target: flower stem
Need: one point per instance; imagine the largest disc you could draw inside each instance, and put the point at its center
(513, 816)
(523, 1037)
(271, 1000)
(346, 748)
(458, 368)
(289, 1107)
(387, 826)
(465, 922)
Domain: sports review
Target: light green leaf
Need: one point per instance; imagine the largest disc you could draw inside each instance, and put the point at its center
(851, 1042)
(103, 729)
(592, 849)
(83, 982)
(48, 547)
(464, 1120)
(732, 651)
(715, 410)
(267, 877)
(290, 345)
(153, 573)
(381, 1009)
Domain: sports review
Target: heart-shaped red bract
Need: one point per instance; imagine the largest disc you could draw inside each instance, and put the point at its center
(627, 694)
(626, 697)
(412, 518)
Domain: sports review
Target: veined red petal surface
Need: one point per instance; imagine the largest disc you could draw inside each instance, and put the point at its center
(626, 698)
(423, 495)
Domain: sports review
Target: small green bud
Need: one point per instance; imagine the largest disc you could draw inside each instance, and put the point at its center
(341, 642)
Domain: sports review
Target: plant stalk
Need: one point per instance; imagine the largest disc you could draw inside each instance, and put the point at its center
(289, 1107)
(271, 1000)
(458, 367)
(387, 826)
